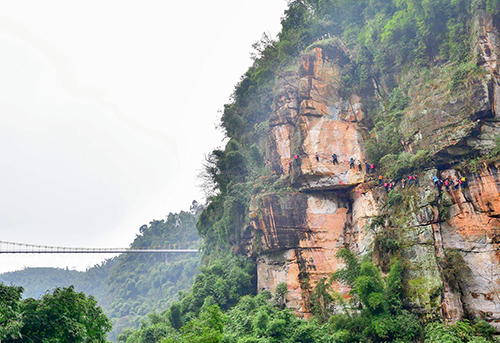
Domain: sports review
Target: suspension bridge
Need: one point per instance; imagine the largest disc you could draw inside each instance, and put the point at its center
(22, 248)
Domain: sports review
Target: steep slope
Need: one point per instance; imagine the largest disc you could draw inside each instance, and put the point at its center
(410, 87)
(294, 235)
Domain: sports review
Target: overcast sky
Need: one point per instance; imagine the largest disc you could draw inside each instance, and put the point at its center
(106, 111)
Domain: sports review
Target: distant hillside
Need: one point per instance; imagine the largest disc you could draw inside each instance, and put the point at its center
(128, 286)
(37, 281)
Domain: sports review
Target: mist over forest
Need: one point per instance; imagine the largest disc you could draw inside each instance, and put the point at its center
(360, 172)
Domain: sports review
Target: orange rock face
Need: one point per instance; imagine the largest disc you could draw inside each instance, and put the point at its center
(473, 230)
(296, 233)
(300, 233)
(312, 123)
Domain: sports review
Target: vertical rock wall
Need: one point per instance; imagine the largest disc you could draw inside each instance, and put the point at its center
(311, 118)
(300, 231)
(473, 231)
(295, 233)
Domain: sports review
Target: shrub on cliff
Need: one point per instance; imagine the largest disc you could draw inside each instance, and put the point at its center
(380, 316)
(397, 166)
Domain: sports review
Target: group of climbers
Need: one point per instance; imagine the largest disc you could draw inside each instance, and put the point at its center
(370, 167)
(412, 179)
(389, 185)
(449, 184)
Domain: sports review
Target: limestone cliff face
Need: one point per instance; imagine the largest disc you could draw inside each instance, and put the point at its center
(294, 234)
(473, 229)
(298, 231)
(310, 117)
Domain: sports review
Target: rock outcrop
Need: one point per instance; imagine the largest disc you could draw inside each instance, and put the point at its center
(295, 233)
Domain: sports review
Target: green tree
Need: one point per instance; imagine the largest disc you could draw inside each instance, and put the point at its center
(10, 311)
(63, 316)
(380, 317)
(280, 296)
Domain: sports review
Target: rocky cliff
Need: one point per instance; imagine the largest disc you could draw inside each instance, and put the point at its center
(449, 237)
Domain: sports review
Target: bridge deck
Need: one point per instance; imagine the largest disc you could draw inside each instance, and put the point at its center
(102, 251)
(22, 248)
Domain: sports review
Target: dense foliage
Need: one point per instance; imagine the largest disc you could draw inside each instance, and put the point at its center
(61, 316)
(375, 312)
(139, 283)
(10, 311)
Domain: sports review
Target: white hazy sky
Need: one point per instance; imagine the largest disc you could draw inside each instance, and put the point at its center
(106, 111)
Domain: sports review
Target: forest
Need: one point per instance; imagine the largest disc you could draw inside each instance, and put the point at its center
(62, 315)
(382, 40)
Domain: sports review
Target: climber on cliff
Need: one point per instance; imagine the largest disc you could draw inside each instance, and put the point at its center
(367, 167)
(296, 157)
(447, 184)
(317, 157)
(360, 166)
(386, 186)
(290, 167)
(464, 182)
(465, 188)
(351, 165)
(415, 178)
(372, 168)
(335, 161)
(410, 180)
(452, 183)
(380, 179)
(281, 169)
(436, 181)
(403, 183)
(391, 185)
(467, 196)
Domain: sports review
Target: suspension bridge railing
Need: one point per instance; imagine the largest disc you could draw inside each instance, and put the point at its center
(23, 248)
